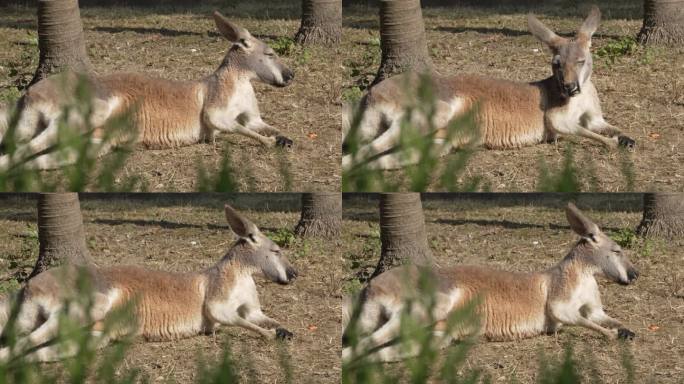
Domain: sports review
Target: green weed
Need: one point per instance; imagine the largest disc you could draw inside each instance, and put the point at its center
(617, 48)
(352, 94)
(284, 46)
(625, 237)
(284, 237)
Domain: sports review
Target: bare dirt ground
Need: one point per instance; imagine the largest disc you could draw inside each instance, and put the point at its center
(641, 92)
(191, 237)
(527, 238)
(182, 43)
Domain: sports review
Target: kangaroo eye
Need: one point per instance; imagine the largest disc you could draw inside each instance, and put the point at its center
(581, 62)
(252, 238)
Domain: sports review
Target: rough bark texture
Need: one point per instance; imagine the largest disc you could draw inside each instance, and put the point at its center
(60, 232)
(321, 22)
(663, 215)
(663, 22)
(402, 39)
(321, 215)
(402, 232)
(60, 39)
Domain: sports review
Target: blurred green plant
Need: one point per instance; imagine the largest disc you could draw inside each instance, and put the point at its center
(225, 180)
(352, 94)
(565, 179)
(415, 146)
(107, 366)
(76, 145)
(436, 362)
(418, 338)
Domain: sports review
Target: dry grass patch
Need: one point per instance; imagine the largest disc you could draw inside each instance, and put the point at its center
(525, 238)
(192, 237)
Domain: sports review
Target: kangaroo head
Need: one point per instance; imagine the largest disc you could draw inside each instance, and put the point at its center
(597, 249)
(571, 63)
(261, 252)
(253, 55)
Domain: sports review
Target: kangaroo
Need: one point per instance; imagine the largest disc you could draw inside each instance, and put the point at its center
(511, 305)
(507, 114)
(166, 305)
(165, 113)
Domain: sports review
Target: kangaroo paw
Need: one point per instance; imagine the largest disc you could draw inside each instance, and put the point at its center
(284, 142)
(626, 334)
(283, 334)
(624, 141)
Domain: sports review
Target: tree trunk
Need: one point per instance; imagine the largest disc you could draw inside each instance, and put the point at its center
(321, 22)
(663, 215)
(402, 232)
(60, 232)
(402, 39)
(321, 215)
(663, 22)
(60, 39)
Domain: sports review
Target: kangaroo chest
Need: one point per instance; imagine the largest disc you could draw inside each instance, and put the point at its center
(584, 292)
(233, 103)
(567, 118)
(243, 294)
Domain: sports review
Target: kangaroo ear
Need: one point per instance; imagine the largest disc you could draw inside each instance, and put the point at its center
(590, 24)
(239, 224)
(543, 33)
(229, 30)
(580, 223)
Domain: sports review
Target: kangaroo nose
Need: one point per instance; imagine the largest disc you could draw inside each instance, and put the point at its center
(572, 88)
(291, 273)
(288, 75)
(632, 275)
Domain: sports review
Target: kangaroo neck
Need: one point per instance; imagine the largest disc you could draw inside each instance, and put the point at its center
(232, 67)
(567, 275)
(238, 260)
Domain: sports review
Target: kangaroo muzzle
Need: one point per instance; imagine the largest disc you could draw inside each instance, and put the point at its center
(288, 76)
(291, 273)
(571, 89)
(632, 275)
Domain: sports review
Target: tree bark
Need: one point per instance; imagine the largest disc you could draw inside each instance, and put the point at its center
(663, 22)
(60, 39)
(663, 215)
(402, 39)
(60, 232)
(321, 215)
(402, 232)
(321, 22)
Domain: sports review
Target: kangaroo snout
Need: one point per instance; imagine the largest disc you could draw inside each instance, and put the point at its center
(291, 274)
(632, 274)
(288, 76)
(572, 88)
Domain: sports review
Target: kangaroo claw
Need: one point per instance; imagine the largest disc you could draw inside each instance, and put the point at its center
(626, 334)
(284, 142)
(624, 141)
(283, 334)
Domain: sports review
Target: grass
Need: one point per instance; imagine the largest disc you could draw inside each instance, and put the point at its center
(191, 235)
(639, 88)
(180, 42)
(528, 238)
